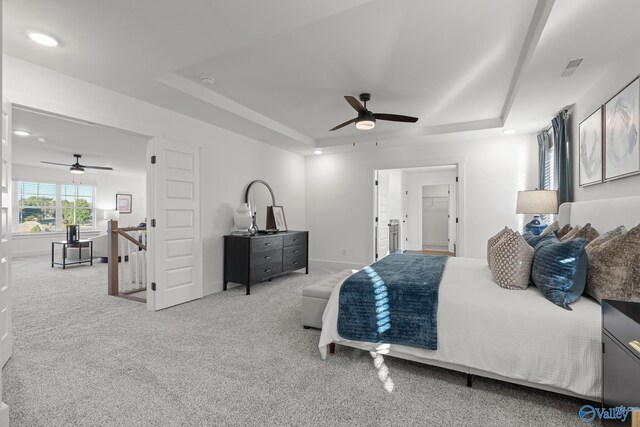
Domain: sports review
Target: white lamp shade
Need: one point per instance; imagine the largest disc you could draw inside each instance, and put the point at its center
(537, 202)
(111, 215)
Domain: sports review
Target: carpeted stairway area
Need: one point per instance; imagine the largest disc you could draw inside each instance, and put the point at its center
(83, 358)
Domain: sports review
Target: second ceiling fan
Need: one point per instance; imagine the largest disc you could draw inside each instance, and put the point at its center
(366, 119)
(77, 168)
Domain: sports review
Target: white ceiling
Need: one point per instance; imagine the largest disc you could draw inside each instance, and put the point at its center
(98, 145)
(282, 67)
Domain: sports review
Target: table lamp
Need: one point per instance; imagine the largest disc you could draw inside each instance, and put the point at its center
(537, 202)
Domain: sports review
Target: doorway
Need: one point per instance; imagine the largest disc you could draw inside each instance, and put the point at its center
(422, 206)
(131, 178)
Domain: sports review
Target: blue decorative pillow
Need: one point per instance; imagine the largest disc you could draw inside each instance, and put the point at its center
(560, 270)
(534, 240)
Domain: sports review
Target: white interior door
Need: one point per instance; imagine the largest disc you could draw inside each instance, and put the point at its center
(174, 207)
(383, 214)
(6, 345)
(6, 286)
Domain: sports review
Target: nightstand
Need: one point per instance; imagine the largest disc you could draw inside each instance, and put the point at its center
(621, 356)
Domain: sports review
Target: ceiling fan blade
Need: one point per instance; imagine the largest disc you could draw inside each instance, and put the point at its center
(52, 163)
(355, 104)
(106, 168)
(348, 122)
(395, 117)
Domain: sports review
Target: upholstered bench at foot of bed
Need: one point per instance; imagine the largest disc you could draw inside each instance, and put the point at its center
(316, 296)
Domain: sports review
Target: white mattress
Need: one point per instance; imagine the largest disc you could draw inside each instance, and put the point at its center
(515, 334)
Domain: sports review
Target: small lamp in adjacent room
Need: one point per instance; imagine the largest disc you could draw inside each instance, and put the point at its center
(111, 214)
(537, 202)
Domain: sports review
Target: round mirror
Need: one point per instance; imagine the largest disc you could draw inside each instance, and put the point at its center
(259, 196)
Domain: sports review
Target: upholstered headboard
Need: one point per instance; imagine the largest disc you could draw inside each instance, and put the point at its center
(603, 214)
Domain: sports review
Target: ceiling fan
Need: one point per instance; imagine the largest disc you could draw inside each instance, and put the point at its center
(366, 119)
(77, 168)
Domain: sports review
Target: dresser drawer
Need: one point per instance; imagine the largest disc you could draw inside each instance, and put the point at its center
(267, 243)
(620, 379)
(264, 272)
(294, 252)
(294, 263)
(273, 256)
(295, 239)
(625, 329)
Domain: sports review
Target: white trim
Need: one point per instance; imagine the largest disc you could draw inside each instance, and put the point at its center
(4, 415)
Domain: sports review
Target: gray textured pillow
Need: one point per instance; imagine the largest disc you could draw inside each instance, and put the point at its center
(614, 266)
(587, 232)
(511, 263)
(571, 234)
(550, 229)
(492, 242)
(564, 230)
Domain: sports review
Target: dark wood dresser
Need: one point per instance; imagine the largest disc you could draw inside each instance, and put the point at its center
(252, 259)
(621, 356)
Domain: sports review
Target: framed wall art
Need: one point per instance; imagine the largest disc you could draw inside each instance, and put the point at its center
(123, 203)
(622, 120)
(590, 149)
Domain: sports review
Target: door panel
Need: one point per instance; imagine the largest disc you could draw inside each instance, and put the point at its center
(6, 344)
(383, 214)
(176, 240)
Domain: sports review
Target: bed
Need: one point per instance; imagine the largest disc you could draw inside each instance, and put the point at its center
(515, 336)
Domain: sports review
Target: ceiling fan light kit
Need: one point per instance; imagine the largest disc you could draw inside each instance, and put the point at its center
(76, 170)
(366, 120)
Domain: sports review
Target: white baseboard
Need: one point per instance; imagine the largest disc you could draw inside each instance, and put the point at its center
(320, 263)
(4, 415)
(212, 288)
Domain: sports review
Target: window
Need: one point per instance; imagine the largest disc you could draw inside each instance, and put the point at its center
(549, 181)
(46, 207)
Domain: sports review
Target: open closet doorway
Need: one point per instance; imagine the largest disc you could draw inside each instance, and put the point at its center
(419, 210)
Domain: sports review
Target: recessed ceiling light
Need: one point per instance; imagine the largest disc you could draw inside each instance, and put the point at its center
(43, 140)
(21, 133)
(317, 152)
(207, 81)
(43, 39)
(509, 131)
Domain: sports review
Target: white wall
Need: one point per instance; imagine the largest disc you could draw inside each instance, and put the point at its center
(620, 74)
(340, 191)
(230, 161)
(107, 185)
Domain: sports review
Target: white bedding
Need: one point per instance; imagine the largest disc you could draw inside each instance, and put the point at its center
(515, 334)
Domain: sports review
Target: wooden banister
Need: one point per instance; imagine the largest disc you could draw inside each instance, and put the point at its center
(112, 266)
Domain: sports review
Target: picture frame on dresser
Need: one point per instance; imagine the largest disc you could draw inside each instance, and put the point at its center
(590, 148)
(621, 138)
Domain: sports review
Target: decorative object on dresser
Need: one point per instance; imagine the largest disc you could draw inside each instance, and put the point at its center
(622, 121)
(590, 131)
(620, 356)
(275, 218)
(537, 202)
(254, 199)
(242, 219)
(252, 259)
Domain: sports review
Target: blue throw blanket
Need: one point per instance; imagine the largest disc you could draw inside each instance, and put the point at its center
(394, 301)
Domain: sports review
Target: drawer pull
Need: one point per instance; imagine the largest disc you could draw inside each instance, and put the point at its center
(295, 262)
(267, 244)
(635, 344)
(266, 271)
(267, 257)
(295, 252)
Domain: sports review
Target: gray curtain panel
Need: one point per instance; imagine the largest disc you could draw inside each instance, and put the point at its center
(562, 158)
(544, 143)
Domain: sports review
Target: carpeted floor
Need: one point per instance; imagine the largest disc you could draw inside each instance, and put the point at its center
(83, 358)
